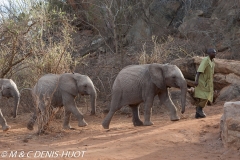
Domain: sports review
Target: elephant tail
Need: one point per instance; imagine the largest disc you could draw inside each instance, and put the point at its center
(30, 89)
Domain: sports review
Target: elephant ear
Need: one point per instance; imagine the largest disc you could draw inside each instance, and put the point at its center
(157, 75)
(77, 77)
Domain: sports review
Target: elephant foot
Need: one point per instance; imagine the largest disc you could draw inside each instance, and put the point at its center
(41, 132)
(92, 113)
(175, 118)
(68, 127)
(106, 110)
(137, 123)
(105, 125)
(5, 128)
(82, 123)
(148, 123)
(45, 127)
(30, 126)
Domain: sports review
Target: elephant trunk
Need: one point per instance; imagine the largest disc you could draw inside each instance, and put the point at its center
(93, 97)
(16, 96)
(183, 95)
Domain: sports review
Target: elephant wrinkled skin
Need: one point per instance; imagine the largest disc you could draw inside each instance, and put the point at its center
(61, 90)
(141, 83)
(9, 89)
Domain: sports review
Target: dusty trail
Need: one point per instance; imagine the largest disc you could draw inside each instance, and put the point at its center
(188, 138)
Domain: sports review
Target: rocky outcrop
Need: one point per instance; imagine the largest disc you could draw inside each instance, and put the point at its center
(200, 23)
(230, 125)
(158, 19)
(226, 76)
(206, 23)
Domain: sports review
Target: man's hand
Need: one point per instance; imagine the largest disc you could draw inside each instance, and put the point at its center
(196, 83)
(197, 77)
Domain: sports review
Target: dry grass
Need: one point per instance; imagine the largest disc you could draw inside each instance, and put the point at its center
(170, 49)
(49, 40)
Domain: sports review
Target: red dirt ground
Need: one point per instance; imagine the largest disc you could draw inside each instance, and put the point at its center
(189, 138)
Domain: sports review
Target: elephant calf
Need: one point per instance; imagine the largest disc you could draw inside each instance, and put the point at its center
(8, 89)
(61, 90)
(141, 83)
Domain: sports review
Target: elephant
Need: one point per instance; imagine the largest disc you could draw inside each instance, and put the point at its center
(60, 90)
(141, 83)
(8, 89)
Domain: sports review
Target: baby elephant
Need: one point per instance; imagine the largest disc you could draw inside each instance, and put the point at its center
(60, 90)
(141, 83)
(9, 89)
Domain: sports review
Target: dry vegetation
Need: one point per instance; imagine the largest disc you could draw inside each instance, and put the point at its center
(38, 37)
(52, 36)
(92, 37)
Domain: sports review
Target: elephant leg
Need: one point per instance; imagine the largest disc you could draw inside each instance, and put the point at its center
(3, 122)
(108, 118)
(115, 105)
(39, 112)
(43, 117)
(67, 116)
(42, 108)
(135, 115)
(70, 106)
(166, 100)
(148, 112)
(32, 120)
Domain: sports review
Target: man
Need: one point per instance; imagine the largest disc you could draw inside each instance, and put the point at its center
(204, 82)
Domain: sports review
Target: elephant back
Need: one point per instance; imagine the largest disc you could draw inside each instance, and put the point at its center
(130, 76)
(46, 85)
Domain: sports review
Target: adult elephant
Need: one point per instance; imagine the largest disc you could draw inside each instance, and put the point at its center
(60, 90)
(9, 89)
(141, 83)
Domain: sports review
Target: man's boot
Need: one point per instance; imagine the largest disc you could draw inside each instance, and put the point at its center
(200, 113)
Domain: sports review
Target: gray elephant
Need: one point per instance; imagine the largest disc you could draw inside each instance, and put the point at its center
(141, 83)
(9, 89)
(61, 90)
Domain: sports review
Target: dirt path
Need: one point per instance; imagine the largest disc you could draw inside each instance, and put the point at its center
(188, 138)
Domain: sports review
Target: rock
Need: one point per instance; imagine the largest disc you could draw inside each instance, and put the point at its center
(230, 92)
(220, 81)
(157, 18)
(230, 125)
(187, 66)
(163, 13)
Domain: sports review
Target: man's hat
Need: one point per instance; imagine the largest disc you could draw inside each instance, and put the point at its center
(211, 50)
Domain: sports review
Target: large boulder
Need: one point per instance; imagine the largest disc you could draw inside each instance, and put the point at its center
(156, 18)
(213, 23)
(231, 92)
(209, 23)
(230, 125)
